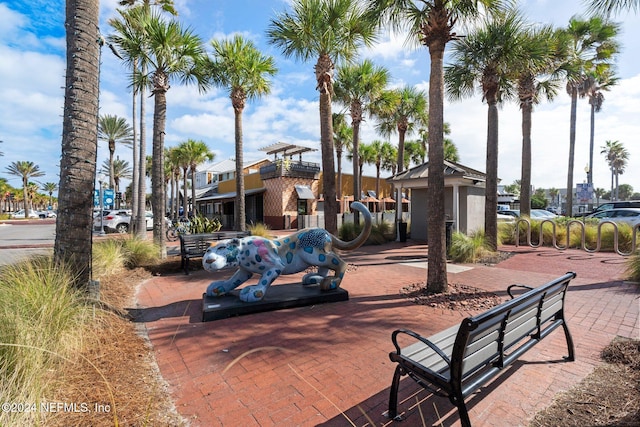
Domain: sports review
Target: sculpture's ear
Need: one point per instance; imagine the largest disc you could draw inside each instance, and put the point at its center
(234, 241)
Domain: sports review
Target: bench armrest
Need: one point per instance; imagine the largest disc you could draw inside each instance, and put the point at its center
(420, 338)
(516, 285)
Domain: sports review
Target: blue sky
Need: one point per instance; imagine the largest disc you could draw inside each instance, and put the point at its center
(32, 48)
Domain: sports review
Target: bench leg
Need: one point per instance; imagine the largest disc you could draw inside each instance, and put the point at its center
(186, 265)
(571, 357)
(393, 394)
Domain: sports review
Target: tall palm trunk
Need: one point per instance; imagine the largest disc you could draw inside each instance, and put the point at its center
(491, 189)
(356, 119)
(157, 176)
(185, 186)
(525, 180)
(437, 260)
(134, 180)
(339, 183)
(240, 219)
(79, 139)
(141, 227)
(572, 148)
(324, 75)
(591, 141)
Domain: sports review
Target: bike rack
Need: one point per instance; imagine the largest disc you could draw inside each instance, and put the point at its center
(583, 245)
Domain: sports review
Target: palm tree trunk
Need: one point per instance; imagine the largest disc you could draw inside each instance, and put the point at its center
(240, 197)
(491, 188)
(194, 211)
(134, 178)
(157, 175)
(437, 260)
(572, 148)
(339, 183)
(357, 188)
(185, 199)
(79, 140)
(141, 227)
(525, 179)
(328, 167)
(591, 141)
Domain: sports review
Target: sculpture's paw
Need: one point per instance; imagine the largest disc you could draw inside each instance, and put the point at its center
(312, 279)
(215, 290)
(330, 284)
(251, 294)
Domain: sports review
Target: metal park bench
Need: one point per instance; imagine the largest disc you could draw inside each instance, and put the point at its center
(195, 245)
(458, 361)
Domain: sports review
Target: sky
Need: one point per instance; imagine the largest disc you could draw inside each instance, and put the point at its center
(32, 67)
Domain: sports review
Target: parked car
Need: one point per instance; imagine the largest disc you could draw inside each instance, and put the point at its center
(20, 214)
(119, 221)
(629, 216)
(505, 218)
(47, 214)
(539, 214)
(635, 204)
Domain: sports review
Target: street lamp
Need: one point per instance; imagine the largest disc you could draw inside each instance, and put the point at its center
(101, 179)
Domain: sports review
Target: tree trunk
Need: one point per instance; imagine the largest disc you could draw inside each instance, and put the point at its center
(491, 188)
(73, 243)
(525, 179)
(240, 197)
(194, 211)
(437, 260)
(134, 180)
(157, 174)
(572, 148)
(339, 183)
(141, 225)
(328, 167)
(185, 199)
(591, 137)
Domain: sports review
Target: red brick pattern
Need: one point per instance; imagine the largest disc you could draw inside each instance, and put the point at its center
(315, 366)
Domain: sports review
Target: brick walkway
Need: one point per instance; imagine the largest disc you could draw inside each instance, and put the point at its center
(328, 365)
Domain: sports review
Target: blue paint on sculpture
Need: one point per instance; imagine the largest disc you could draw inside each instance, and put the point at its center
(312, 247)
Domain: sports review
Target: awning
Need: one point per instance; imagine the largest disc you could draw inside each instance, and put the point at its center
(304, 192)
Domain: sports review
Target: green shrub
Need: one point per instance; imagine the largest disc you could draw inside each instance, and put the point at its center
(468, 249)
(633, 267)
(139, 252)
(41, 319)
(260, 229)
(349, 231)
(202, 224)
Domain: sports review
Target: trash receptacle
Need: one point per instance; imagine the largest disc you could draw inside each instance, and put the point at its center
(402, 230)
(448, 234)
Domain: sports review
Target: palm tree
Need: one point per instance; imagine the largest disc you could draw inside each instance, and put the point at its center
(358, 87)
(402, 111)
(330, 31)
(114, 129)
(617, 156)
(431, 23)
(197, 153)
(25, 170)
(486, 57)
(342, 138)
(50, 188)
(599, 192)
(131, 38)
(380, 150)
(450, 151)
(79, 135)
(172, 157)
(238, 66)
(591, 46)
(609, 7)
(165, 5)
(537, 78)
(596, 82)
(171, 53)
(413, 153)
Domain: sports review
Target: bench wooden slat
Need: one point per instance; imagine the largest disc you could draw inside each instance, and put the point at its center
(481, 346)
(195, 245)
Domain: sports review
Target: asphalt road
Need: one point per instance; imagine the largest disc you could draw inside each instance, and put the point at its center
(19, 239)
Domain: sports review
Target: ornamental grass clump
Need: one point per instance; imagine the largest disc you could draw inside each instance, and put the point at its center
(41, 319)
(468, 249)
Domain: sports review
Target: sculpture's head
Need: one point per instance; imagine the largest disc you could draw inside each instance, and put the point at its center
(222, 255)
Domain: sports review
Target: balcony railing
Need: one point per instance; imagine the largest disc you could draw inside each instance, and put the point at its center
(290, 168)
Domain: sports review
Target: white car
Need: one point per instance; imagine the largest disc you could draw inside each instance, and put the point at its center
(118, 221)
(629, 216)
(20, 214)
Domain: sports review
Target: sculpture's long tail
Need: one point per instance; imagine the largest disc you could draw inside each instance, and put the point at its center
(364, 234)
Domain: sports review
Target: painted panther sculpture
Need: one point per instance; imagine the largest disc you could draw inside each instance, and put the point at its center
(287, 255)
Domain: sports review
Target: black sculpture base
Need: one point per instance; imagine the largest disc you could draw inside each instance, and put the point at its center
(277, 298)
